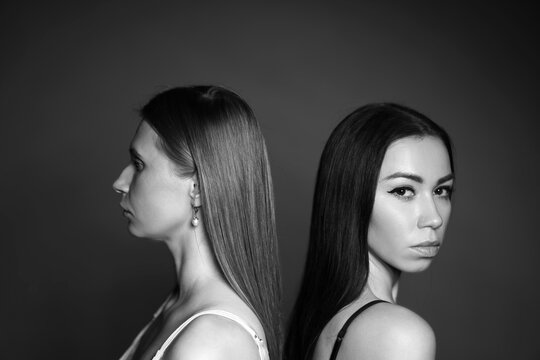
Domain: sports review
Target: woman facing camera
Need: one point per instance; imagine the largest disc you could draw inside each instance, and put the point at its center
(199, 181)
(381, 206)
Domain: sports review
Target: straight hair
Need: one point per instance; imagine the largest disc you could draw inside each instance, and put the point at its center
(337, 264)
(211, 132)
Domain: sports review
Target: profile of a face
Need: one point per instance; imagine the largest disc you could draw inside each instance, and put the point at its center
(412, 203)
(155, 200)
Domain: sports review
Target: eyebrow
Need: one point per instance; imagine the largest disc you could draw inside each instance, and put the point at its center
(417, 178)
(445, 179)
(134, 153)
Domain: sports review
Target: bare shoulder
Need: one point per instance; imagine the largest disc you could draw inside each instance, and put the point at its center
(389, 331)
(212, 337)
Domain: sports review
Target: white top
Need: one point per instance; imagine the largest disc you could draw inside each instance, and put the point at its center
(263, 351)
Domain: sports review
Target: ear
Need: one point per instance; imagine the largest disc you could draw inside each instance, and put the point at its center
(195, 191)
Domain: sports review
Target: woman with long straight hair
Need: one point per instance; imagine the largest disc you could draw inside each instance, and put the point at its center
(381, 205)
(199, 181)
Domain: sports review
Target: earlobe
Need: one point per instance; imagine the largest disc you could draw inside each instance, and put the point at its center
(195, 193)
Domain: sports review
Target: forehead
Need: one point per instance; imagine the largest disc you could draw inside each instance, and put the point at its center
(145, 138)
(425, 156)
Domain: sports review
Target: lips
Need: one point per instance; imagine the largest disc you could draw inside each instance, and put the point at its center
(427, 248)
(125, 211)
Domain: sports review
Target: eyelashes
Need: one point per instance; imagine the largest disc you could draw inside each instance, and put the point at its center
(407, 192)
(403, 192)
(138, 164)
(444, 191)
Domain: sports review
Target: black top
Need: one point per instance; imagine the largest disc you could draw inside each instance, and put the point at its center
(343, 330)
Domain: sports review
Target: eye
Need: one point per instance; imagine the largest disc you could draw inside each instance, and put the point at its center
(138, 164)
(444, 192)
(403, 192)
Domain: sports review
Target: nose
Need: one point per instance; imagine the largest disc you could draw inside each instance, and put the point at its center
(429, 214)
(121, 185)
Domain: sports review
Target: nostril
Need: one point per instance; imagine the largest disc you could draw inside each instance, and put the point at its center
(430, 219)
(121, 184)
(118, 188)
(437, 221)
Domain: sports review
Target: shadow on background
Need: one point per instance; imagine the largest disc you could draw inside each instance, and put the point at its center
(76, 285)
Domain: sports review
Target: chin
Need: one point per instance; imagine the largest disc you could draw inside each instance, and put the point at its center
(417, 266)
(133, 230)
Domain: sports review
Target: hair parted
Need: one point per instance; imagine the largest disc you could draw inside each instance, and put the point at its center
(337, 262)
(211, 132)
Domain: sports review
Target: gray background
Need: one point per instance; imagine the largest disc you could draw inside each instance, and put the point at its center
(75, 284)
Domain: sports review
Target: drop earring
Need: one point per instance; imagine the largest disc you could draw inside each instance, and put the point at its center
(195, 218)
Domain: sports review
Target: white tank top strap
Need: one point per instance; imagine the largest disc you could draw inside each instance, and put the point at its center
(263, 352)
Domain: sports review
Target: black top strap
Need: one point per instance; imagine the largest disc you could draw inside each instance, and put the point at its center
(343, 330)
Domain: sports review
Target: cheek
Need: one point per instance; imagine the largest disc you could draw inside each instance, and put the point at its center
(388, 225)
(164, 219)
(444, 208)
(165, 206)
(446, 213)
(158, 205)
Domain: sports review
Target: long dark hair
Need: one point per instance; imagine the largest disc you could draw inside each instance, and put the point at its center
(337, 264)
(211, 132)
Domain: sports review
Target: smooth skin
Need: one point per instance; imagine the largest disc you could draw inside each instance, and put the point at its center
(157, 203)
(410, 214)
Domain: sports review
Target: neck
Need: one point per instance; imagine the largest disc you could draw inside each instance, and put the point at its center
(194, 262)
(383, 279)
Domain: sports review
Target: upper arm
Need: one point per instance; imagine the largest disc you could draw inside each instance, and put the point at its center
(389, 332)
(212, 338)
